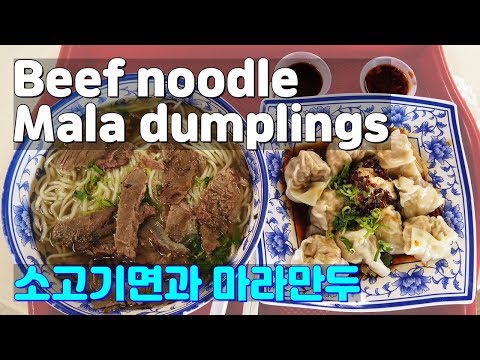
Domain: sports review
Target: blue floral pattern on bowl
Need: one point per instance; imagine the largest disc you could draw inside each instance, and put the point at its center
(434, 131)
(26, 166)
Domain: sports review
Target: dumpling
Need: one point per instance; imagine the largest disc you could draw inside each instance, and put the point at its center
(419, 199)
(428, 238)
(400, 159)
(337, 159)
(400, 152)
(372, 182)
(325, 210)
(306, 175)
(391, 229)
(318, 249)
(362, 250)
(410, 170)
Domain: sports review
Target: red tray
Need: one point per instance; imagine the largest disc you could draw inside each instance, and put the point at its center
(345, 62)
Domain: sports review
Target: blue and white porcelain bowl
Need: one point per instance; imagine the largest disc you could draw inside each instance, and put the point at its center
(26, 166)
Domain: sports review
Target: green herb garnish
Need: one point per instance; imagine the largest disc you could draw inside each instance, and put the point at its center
(382, 247)
(103, 204)
(222, 253)
(349, 192)
(90, 186)
(194, 243)
(348, 244)
(147, 199)
(207, 180)
(219, 256)
(386, 258)
(340, 179)
(91, 165)
(80, 195)
(370, 223)
(347, 219)
(203, 181)
(196, 254)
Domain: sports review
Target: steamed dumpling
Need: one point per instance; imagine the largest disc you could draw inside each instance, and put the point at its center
(318, 249)
(363, 250)
(391, 229)
(419, 199)
(400, 152)
(337, 159)
(410, 170)
(325, 210)
(400, 159)
(306, 175)
(428, 238)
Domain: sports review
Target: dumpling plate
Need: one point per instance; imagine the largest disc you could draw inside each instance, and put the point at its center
(434, 130)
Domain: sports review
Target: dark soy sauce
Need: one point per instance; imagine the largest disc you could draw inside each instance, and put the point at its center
(310, 81)
(386, 79)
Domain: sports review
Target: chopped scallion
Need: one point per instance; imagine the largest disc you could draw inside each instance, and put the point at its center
(382, 247)
(91, 165)
(348, 245)
(80, 195)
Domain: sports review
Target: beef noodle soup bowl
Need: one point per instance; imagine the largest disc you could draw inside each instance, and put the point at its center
(134, 203)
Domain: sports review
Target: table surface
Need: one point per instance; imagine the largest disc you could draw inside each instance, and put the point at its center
(462, 61)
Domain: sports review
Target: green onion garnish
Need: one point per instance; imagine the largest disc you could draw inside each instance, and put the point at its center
(348, 245)
(80, 195)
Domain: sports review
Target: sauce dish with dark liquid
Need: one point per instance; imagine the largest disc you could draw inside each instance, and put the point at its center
(310, 81)
(386, 79)
(313, 74)
(388, 75)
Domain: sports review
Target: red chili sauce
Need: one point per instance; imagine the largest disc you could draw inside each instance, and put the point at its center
(386, 79)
